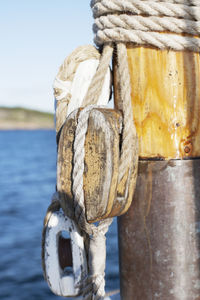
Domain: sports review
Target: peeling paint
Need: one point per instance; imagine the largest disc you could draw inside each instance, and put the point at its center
(60, 283)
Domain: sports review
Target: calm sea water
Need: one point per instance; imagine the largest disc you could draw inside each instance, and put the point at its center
(27, 181)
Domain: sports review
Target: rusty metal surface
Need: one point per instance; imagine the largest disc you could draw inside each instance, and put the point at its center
(159, 237)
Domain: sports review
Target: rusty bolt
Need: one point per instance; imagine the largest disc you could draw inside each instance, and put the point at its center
(187, 149)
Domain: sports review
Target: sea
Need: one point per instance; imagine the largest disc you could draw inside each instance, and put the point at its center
(27, 182)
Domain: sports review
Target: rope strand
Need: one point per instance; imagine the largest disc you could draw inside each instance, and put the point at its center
(142, 22)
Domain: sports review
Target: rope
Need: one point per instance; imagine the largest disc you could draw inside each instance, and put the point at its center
(96, 85)
(142, 22)
(94, 284)
(64, 79)
(185, 9)
(129, 135)
(154, 23)
(77, 176)
(117, 22)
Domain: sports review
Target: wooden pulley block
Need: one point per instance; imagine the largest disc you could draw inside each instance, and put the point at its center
(101, 165)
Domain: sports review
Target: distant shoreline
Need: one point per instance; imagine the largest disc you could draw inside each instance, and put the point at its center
(25, 129)
(25, 126)
(18, 118)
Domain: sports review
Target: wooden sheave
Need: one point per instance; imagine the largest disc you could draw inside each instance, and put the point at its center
(159, 236)
(101, 164)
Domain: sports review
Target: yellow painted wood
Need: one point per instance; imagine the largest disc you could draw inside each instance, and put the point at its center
(166, 101)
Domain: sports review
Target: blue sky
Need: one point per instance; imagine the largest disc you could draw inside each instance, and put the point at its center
(36, 36)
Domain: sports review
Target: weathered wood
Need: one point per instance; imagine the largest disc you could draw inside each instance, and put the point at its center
(101, 163)
(104, 197)
(166, 101)
(64, 166)
(108, 198)
(100, 166)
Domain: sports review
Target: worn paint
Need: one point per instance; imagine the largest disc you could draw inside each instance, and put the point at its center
(60, 283)
(166, 101)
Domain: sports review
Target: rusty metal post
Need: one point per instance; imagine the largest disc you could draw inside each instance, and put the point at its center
(159, 237)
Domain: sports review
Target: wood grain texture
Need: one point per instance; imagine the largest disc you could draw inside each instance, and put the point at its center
(166, 101)
(104, 196)
(64, 166)
(101, 163)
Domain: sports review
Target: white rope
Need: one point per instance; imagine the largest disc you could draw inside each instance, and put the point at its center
(129, 136)
(95, 87)
(142, 22)
(185, 9)
(64, 81)
(93, 286)
(159, 24)
(64, 86)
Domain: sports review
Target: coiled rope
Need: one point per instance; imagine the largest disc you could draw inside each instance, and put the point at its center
(142, 22)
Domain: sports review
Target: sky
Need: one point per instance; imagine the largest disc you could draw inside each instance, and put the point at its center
(36, 36)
